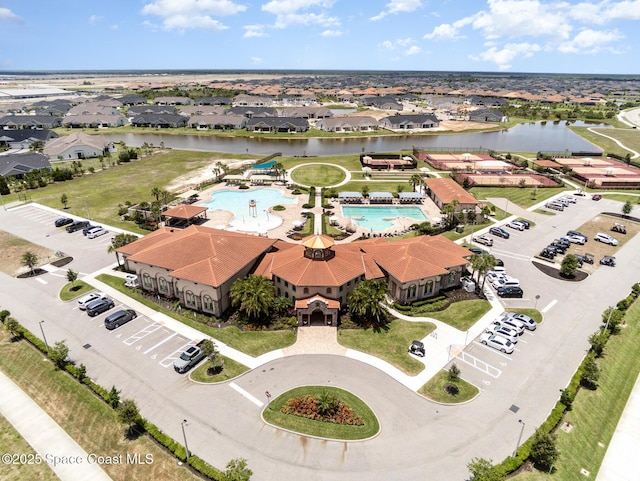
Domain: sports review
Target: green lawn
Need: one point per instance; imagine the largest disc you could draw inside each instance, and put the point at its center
(434, 389)
(389, 344)
(318, 175)
(69, 292)
(302, 425)
(375, 186)
(534, 314)
(595, 414)
(250, 342)
(521, 197)
(634, 199)
(349, 162)
(629, 137)
(231, 370)
(462, 315)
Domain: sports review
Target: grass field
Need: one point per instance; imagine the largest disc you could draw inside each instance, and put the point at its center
(521, 197)
(434, 389)
(389, 344)
(595, 414)
(377, 186)
(299, 424)
(11, 250)
(12, 442)
(70, 292)
(318, 175)
(231, 369)
(628, 137)
(83, 416)
(463, 314)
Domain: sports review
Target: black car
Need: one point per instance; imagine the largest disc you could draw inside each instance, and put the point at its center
(524, 222)
(499, 232)
(117, 319)
(99, 306)
(77, 225)
(547, 253)
(477, 250)
(62, 221)
(499, 262)
(510, 291)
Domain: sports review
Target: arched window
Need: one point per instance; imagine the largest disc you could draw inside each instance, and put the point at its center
(207, 303)
(286, 294)
(147, 282)
(411, 292)
(162, 285)
(428, 288)
(329, 290)
(189, 299)
(452, 277)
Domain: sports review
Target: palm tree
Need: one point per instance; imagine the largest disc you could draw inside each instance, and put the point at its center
(30, 260)
(416, 179)
(118, 241)
(156, 192)
(254, 296)
(280, 171)
(219, 170)
(365, 302)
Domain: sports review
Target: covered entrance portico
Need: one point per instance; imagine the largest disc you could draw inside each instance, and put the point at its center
(317, 311)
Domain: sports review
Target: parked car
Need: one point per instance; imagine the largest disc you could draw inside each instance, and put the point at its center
(608, 261)
(99, 306)
(77, 225)
(576, 233)
(585, 258)
(499, 262)
(117, 319)
(494, 278)
(96, 233)
(571, 200)
(88, 228)
(89, 298)
(596, 197)
(576, 239)
(503, 331)
(554, 206)
(511, 323)
(510, 291)
(528, 323)
(417, 348)
(483, 239)
(547, 253)
(62, 221)
(515, 225)
(605, 239)
(477, 250)
(500, 232)
(497, 342)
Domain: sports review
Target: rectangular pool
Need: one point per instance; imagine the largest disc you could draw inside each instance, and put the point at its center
(381, 218)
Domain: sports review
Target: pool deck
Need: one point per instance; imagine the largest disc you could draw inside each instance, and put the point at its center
(293, 213)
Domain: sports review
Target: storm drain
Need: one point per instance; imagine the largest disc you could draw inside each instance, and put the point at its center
(514, 408)
(86, 346)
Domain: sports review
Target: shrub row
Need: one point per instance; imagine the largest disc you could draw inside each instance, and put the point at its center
(79, 373)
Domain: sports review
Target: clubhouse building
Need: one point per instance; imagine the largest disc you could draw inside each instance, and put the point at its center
(198, 265)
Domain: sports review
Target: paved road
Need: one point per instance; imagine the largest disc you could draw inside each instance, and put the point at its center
(417, 436)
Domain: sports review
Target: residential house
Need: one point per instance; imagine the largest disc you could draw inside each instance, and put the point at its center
(409, 122)
(212, 101)
(172, 101)
(132, 99)
(444, 191)
(203, 110)
(77, 146)
(244, 100)
(94, 121)
(219, 122)
(486, 115)
(25, 138)
(360, 123)
(250, 112)
(30, 122)
(15, 165)
(276, 125)
(159, 121)
(151, 109)
(307, 112)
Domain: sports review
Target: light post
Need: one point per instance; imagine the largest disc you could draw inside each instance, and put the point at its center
(515, 453)
(44, 338)
(184, 435)
(608, 319)
(536, 304)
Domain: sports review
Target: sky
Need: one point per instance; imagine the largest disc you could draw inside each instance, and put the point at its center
(584, 36)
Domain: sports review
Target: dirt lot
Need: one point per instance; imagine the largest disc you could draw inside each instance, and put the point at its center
(11, 250)
(602, 223)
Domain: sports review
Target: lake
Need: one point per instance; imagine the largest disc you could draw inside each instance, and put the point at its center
(529, 137)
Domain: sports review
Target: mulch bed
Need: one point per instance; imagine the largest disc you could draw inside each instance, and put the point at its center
(35, 273)
(62, 262)
(556, 274)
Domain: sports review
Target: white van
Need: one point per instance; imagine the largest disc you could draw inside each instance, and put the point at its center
(510, 282)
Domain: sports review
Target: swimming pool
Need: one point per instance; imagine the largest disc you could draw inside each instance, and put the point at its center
(381, 218)
(247, 218)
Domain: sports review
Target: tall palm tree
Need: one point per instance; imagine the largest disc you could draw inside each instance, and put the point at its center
(118, 241)
(156, 192)
(365, 302)
(280, 171)
(30, 260)
(416, 179)
(254, 296)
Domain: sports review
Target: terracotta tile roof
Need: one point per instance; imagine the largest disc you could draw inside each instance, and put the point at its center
(304, 303)
(448, 190)
(199, 254)
(184, 211)
(318, 241)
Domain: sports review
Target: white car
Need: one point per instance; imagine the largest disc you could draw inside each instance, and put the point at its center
(529, 323)
(96, 233)
(515, 225)
(84, 301)
(497, 342)
(510, 322)
(575, 239)
(504, 331)
(605, 239)
(571, 200)
(496, 280)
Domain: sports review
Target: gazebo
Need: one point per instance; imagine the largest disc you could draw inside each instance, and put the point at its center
(184, 215)
(410, 197)
(350, 197)
(380, 197)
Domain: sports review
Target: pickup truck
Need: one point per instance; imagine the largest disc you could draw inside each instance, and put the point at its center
(189, 358)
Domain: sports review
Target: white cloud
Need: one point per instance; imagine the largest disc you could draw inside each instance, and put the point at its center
(398, 6)
(93, 19)
(293, 12)
(447, 31)
(413, 50)
(331, 33)
(404, 42)
(8, 15)
(605, 11)
(387, 44)
(256, 60)
(188, 14)
(253, 31)
(503, 57)
(590, 41)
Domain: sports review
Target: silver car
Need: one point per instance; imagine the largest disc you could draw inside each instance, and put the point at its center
(497, 342)
(504, 331)
(510, 322)
(529, 324)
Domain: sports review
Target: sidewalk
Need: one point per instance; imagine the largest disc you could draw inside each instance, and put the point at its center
(45, 436)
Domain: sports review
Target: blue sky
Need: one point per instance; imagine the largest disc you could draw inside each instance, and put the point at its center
(586, 36)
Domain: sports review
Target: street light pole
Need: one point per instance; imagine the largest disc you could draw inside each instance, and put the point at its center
(184, 435)
(44, 338)
(608, 319)
(515, 453)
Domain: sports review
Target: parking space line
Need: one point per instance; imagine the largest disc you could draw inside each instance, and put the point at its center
(150, 329)
(244, 393)
(160, 343)
(479, 365)
(172, 357)
(549, 306)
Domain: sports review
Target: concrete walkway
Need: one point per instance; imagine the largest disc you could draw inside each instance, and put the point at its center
(46, 437)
